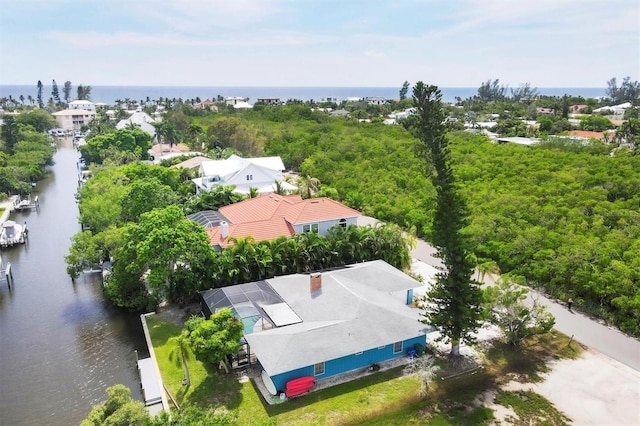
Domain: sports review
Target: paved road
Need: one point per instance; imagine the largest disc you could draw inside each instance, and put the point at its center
(591, 333)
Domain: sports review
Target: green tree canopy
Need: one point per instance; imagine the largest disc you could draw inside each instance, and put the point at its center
(39, 119)
(118, 410)
(507, 307)
(213, 339)
(165, 255)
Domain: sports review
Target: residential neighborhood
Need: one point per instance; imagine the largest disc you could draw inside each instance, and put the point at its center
(297, 221)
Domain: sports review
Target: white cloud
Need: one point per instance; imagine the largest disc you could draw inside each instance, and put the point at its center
(202, 16)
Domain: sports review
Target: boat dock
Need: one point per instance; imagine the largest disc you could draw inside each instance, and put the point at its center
(150, 386)
(20, 204)
(5, 273)
(153, 390)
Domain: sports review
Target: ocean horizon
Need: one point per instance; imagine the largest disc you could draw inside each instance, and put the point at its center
(109, 94)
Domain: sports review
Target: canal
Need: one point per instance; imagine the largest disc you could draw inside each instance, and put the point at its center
(61, 345)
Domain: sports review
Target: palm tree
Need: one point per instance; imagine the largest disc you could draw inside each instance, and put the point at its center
(308, 185)
(279, 188)
(487, 268)
(193, 133)
(181, 354)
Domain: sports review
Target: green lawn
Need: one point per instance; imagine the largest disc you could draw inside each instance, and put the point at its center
(385, 398)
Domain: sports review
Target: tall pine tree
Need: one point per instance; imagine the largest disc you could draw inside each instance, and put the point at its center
(40, 102)
(453, 305)
(55, 94)
(66, 90)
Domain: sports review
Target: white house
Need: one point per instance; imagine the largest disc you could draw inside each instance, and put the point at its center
(615, 109)
(244, 173)
(140, 119)
(84, 105)
(238, 102)
(73, 119)
(375, 100)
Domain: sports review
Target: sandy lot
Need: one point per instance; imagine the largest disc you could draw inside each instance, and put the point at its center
(591, 390)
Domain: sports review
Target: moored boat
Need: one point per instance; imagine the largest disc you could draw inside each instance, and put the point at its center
(13, 233)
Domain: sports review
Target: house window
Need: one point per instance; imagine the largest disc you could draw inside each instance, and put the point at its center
(343, 223)
(318, 369)
(313, 227)
(249, 177)
(397, 347)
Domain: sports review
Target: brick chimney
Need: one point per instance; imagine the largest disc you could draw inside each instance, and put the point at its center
(315, 282)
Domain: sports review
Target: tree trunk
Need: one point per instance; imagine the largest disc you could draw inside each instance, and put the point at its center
(187, 378)
(455, 348)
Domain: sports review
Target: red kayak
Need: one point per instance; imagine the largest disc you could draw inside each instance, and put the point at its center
(299, 386)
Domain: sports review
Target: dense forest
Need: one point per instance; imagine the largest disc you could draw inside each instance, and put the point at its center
(562, 214)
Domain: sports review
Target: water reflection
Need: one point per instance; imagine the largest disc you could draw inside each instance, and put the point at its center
(61, 346)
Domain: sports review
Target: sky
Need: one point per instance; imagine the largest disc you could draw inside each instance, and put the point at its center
(332, 43)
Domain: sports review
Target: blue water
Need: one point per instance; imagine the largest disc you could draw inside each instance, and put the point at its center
(108, 94)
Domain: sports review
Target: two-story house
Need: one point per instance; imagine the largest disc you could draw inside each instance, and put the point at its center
(260, 173)
(271, 216)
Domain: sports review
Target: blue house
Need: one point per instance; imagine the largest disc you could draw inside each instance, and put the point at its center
(327, 323)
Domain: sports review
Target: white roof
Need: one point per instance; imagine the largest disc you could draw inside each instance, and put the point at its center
(235, 163)
(141, 119)
(66, 112)
(355, 310)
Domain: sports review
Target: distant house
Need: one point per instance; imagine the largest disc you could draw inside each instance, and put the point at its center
(545, 111)
(375, 100)
(614, 109)
(73, 119)
(330, 99)
(518, 140)
(586, 135)
(271, 216)
(164, 151)
(207, 103)
(139, 119)
(269, 101)
(576, 109)
(339, 113)
(324, 324)
(192, 163)
(244, 173)
(238, 102)
(82, 104)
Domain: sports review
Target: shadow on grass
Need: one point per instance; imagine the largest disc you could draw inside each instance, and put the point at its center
(160, 330)
(330, 392)
(529, 360)
(215, 390)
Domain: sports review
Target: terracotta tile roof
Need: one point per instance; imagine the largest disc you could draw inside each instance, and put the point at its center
(318, 209)
(259, 208)
(164, 148)
(271, 216)
(590, 135)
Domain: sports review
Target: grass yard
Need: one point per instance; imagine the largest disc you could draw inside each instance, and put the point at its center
(385, 398)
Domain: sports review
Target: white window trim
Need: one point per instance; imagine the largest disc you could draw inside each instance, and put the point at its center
(315, 373)
(401, 347)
